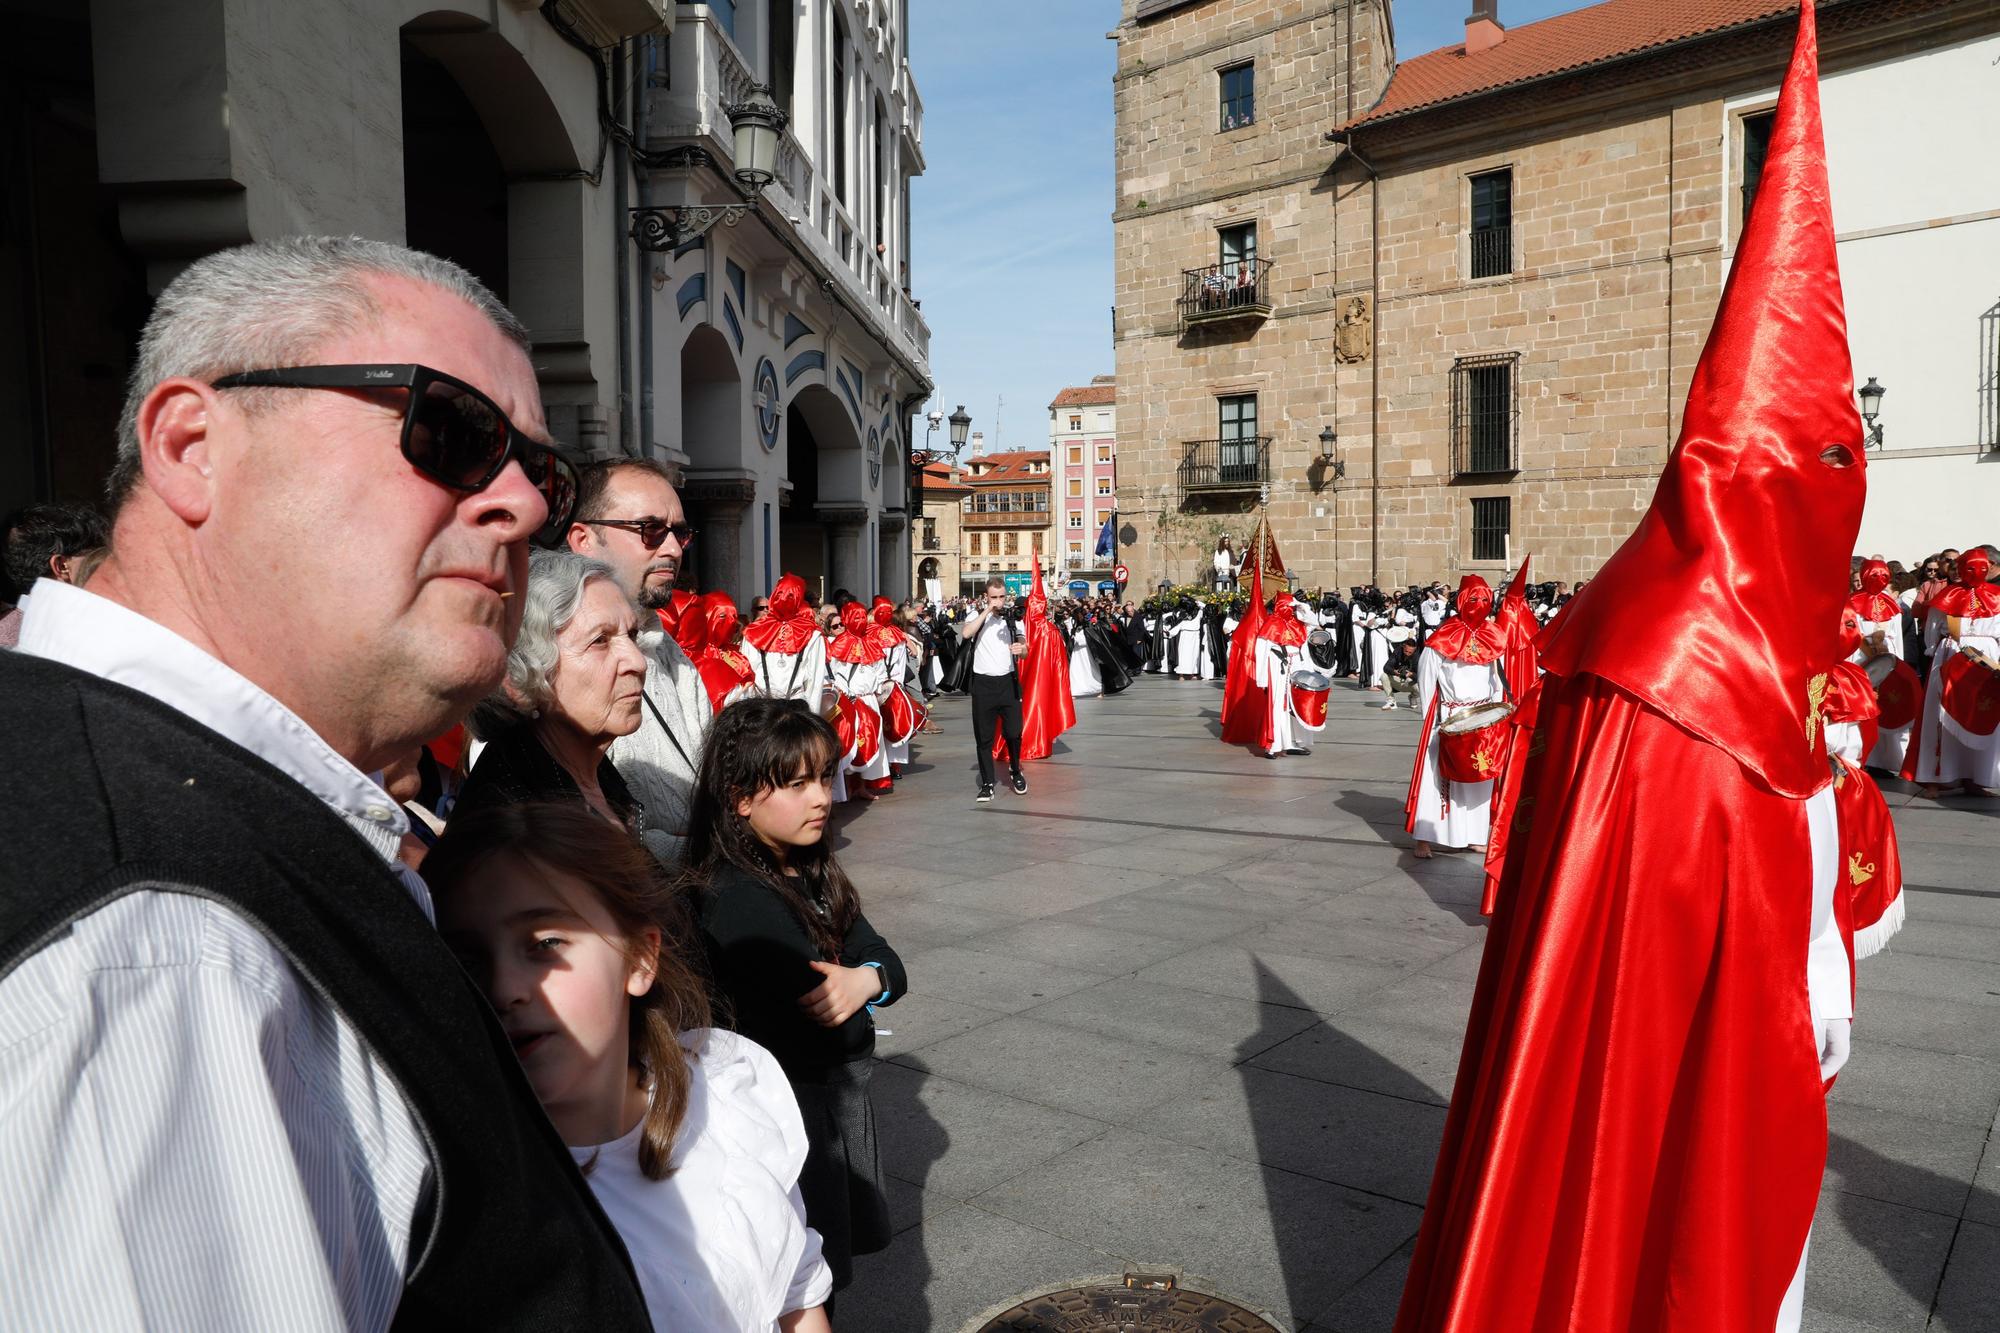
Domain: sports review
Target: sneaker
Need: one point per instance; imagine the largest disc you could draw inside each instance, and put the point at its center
(1020, 785)
(985, 793)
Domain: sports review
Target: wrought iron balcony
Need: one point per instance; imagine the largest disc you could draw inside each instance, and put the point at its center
(1239, 289)
(1492, 251)
(1214, 466)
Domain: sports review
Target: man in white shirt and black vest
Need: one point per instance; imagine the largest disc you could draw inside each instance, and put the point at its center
(246, 1084)
(997, 644)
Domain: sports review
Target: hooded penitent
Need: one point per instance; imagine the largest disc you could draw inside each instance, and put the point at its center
(786, 626)
(1637, 1130)
(1873, 602)
(670, 615)
(1047, 707)
(1972, 595)
(1283, 625)
(856, 640)
(1245, 710)
(1471, 635)
(882, 615)
(723, 668)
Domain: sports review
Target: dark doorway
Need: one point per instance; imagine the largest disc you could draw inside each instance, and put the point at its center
(801, 536)
(454, 188)
(72, 298)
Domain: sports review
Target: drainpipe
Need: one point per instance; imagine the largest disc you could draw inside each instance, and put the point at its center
(647, 50)
(1345, 139)
(621, 247)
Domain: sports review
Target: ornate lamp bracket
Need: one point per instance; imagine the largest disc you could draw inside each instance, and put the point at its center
(669, 228)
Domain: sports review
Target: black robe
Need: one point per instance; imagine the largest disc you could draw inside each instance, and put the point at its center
(1216, 641)
(1156, 658)
(1111, 668)
(1343, 637)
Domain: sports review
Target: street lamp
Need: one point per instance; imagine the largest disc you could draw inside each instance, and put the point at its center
(1329, 444)
(961, 422)
(757, 124)
(1871, 407)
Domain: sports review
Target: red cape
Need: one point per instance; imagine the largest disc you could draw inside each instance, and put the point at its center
(1875, 607)
(1961, 600)
(723, 670)
(1624, 1150)
(786, 626)
(1047, 708)
(1246, 717)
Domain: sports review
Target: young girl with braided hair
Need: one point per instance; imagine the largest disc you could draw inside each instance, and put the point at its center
(793, 960)
(689, 1135)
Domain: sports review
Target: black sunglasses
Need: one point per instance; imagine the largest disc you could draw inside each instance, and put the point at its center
(452, 433)
(652, 531)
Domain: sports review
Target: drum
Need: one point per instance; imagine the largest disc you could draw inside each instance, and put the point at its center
(1898, 691)
(1319, 647)
(1971, 693)
(899, 719)
(1399, 634)
(859, 729)
(1472, 742)
(1309, 690)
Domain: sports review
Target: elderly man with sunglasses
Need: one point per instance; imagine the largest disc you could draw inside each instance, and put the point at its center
(243, 1084)
(629, 516)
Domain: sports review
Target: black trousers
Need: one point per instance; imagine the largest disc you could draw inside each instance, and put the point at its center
(996, 697)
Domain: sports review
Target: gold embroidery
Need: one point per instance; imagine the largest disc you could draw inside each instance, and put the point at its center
(1858, 874)
(1815, 708)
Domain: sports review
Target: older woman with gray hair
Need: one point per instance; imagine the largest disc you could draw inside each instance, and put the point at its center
(573, 686)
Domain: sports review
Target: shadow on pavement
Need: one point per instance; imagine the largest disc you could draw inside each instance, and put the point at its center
(1884, 1231)
(891, 1289)
(1454, 890)
(1302, 1250)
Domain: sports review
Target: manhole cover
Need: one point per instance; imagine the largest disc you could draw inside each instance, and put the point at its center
(1140, 1304)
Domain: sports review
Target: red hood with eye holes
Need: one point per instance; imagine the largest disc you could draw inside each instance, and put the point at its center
(1724, 605)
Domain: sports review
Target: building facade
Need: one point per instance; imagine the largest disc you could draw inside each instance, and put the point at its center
(772, 363)
(1006, 516)
(1083, 449)
(1461, 329)
(937, 538)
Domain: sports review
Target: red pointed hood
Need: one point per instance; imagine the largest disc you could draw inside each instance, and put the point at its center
(1472, 635)
(856, 640)
(1873, 602)
(786, 625)
(1972, 595)
(1038, 597)
(882, 614)
(1283, 625)
(1694, 615)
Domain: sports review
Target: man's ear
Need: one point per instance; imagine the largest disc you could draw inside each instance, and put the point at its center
(174, 446)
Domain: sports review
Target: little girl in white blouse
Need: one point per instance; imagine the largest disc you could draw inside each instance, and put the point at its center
(689, 1135)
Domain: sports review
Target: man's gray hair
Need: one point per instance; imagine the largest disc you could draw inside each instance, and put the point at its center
(556, 580)
(270, 305)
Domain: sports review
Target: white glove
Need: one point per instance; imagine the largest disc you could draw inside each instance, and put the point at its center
(1834, 1038)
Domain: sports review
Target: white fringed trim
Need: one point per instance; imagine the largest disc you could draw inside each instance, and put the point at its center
(1870, 940)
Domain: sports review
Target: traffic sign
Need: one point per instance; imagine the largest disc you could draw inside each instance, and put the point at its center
(1122, 574)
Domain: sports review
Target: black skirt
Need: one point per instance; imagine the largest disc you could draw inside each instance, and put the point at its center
(842, 1179)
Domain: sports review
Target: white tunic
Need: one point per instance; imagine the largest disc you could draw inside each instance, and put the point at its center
(721, 1244)
(1084, 682)
(1371, 639)
(1454, 814)
(864, 684)
(797, 675)
(1186, 645)
(1275, 665)
(1948, 752)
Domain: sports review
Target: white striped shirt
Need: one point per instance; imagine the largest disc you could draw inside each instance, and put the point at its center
(190, 1137)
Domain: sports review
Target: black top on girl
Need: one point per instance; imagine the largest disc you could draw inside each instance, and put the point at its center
(793, 960)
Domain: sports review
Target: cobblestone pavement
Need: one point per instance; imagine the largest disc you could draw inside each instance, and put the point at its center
(1182, 1007)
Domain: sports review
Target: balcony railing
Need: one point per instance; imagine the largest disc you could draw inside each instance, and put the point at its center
(1209, 466)
(1235, 289)
(1492, 251)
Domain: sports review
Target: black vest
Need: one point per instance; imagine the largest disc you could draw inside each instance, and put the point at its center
(104, 791)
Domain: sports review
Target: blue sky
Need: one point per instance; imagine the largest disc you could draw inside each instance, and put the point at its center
(1012, 222)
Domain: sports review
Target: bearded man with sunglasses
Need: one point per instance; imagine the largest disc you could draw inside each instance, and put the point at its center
(245, 1084)
(629, 516)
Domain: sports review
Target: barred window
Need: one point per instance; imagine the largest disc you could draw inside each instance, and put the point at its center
(1492, 234)
(1492, 522)
(1756, 144)
(1485, 414)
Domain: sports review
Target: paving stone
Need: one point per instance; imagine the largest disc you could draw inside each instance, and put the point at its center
(1932, 1085)
(1064, 942)
(957, 1141)
(991, 981)
(1275, 978)
(1289, 1243)
(1403, 1040)
(1874, 1262)
(1164, 912)
(1970, 1297)
(1187, 1020)
(1963, 980)
(935, 1277)
(1084, 1073)
(1347, 1136)
(1902, 1159)
(920, 1020)
(912, 924)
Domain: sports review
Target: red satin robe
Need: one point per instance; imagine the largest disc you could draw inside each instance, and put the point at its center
(1640, 1130)
(1047, 708)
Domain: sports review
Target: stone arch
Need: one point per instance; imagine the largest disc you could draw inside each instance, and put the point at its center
(527, 234)
(830, 445)
(712, 400)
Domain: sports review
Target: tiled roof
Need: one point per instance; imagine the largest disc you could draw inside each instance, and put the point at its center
(1011, 466)
(1087, 395)
(1556, 45)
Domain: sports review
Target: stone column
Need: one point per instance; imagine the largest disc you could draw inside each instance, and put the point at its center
(846, 530)
(715, 503)
(894, 554)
